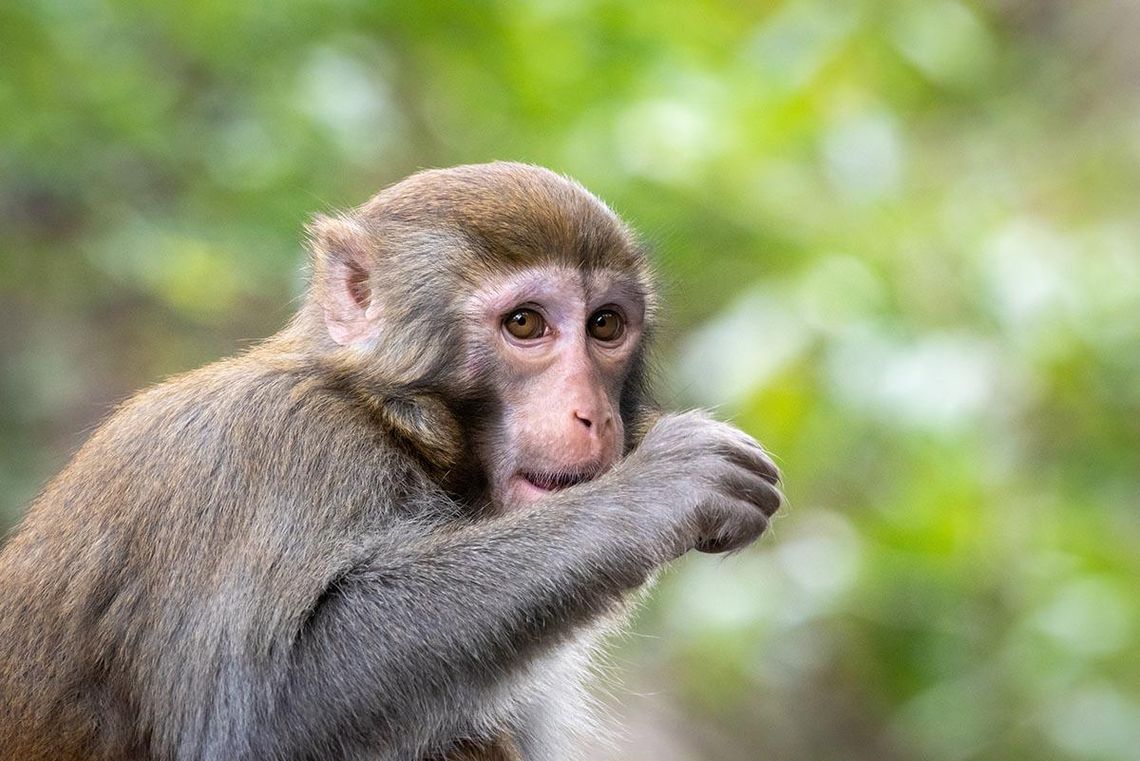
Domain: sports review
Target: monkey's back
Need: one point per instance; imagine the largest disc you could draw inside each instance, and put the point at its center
(181, 501)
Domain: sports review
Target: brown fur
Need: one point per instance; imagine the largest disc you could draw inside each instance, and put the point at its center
(501, 748)
(292, 555)
(173, 565)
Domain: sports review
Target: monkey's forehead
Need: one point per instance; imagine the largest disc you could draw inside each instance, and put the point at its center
(508, 214)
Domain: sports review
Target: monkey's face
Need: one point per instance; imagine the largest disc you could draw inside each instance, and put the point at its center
(512, 296)
(557, 344)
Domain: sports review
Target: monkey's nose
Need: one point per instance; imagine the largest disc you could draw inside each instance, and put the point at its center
(588, 419)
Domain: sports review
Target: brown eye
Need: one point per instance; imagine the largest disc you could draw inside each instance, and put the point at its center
(605, 325)
(525, 324)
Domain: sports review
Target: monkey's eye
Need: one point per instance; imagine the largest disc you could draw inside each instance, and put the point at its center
(525, 324)
(605, 325)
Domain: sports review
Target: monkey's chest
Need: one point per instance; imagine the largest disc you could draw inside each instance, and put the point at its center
(542, 711)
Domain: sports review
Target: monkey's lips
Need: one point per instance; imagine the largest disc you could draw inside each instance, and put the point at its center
(555, 481)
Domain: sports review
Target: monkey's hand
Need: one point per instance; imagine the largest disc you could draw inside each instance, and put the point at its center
(720, 478)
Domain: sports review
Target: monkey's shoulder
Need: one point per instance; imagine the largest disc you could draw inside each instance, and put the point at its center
(230, 441)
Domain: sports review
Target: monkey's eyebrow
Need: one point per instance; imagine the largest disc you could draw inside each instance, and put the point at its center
(614, 286)
(533, 283)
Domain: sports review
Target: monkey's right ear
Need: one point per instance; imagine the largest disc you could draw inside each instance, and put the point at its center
(342, 278)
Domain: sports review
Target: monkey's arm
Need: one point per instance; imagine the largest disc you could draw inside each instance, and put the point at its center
(406, 647)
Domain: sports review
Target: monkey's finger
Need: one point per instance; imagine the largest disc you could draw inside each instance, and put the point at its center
(752, 458)
(728, 523)
(758, 491)
(710, 546)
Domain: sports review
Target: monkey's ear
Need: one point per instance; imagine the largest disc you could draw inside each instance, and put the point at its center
(342, 278)
(425, 423)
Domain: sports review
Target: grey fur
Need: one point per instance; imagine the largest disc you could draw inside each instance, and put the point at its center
(285, 556)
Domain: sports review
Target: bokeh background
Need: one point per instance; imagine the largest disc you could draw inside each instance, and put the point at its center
(900, 246)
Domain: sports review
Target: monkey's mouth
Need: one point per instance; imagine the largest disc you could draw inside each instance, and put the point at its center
(556, 481)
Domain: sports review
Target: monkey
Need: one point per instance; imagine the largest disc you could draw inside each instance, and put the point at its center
(393, 529)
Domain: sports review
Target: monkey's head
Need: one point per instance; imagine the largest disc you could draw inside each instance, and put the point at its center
(496, 313)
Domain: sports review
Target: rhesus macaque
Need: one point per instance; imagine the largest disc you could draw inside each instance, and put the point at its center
(389, 531)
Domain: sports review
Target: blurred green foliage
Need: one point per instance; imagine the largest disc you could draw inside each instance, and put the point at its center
(900, 246)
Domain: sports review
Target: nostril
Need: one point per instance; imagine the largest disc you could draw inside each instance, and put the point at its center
(583, 420)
